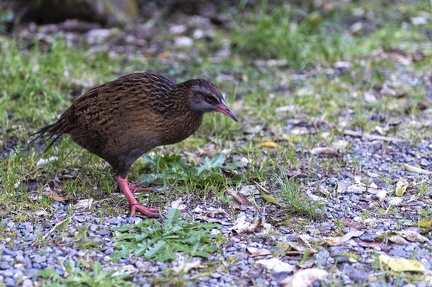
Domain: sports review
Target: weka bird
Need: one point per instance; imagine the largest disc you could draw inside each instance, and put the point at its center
(121, 120)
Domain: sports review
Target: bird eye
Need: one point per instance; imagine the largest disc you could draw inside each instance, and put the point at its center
(211, 99)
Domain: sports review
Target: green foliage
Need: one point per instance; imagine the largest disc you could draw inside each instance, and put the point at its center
(37, 81)
(302, 39)
(159, 241)
(95, 277)
(297, 201)
(172, 168)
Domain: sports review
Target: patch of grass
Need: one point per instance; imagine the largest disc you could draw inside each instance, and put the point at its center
(283, 32)
(90, 275)
(297, 202)
(170, 169)
(159, 242)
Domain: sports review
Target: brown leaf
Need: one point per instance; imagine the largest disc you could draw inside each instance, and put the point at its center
(325, 151)
(240, 198)
(228, 172)
(296, 174)
(216, 212)
(55, 197)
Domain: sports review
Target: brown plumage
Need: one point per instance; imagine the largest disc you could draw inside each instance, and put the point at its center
(121, 120)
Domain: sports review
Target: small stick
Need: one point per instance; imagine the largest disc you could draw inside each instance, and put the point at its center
(54, 228)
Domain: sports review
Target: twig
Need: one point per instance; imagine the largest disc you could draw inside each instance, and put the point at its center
(368, 136)
(54, 228)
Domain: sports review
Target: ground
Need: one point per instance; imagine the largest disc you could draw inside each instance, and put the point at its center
(327, 174)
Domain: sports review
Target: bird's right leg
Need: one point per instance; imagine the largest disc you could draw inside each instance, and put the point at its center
(136, 186)
(133, 203)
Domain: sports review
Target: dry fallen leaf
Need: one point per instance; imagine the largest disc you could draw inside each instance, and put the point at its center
(401, 186)
(396, 201)
(240, 198)
(401, 264)
(338, 240)
(397, 239)
(305, 278)
(209, 150)
(415, 169)
(268, 198)
(254, 252)
(370, 243)
(83, 204)
(214, 213)
(275, 265)
(325, 151)
(412, 236)
(425, 223)
(269, 144)
(178, 204)
(55, 197)
(185, 267)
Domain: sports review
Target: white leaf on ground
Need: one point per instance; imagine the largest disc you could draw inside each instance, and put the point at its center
(305, 278)
(415, 169)
(401, 264)
(396, 201)
(275, 265)
(381, 194)
(340, 144)
(338, 240)
(83, 204)
(412, 236)
(41, 162)
(185, 267)
(259, 225)
(316, 198)
(254, 252)
(177, 204)
(397, 239)
(306, 238)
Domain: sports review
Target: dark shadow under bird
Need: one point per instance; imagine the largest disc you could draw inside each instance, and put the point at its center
(121, 120)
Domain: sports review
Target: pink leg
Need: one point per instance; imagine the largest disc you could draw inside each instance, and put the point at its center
(135, 186)
(134, 204)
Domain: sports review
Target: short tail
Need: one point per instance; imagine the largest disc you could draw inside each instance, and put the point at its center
(52, 132)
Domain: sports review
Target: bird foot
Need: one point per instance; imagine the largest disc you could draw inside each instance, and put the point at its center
(150, 212)
(133, 203)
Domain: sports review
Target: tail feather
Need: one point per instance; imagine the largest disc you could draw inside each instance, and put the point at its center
(51, 132)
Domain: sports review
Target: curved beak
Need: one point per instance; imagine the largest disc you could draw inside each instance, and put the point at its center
(223, 109)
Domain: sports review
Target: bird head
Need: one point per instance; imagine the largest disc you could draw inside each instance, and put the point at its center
(206, 97)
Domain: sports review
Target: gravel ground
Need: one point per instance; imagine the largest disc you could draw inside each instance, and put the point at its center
(353, 262)
(359, 203)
